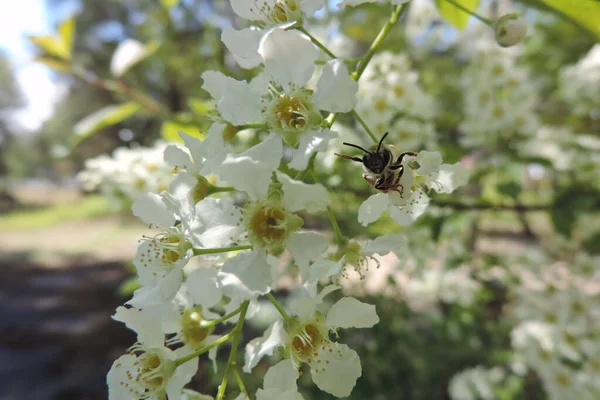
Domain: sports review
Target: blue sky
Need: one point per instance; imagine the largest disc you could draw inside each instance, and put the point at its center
(17, 20)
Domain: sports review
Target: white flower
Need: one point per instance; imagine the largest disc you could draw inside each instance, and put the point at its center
(280, 383)
(473, 384)
(510, 29)
(281, 99)
(357, 256)
(410, 201)
(334, 366)
(149, 370)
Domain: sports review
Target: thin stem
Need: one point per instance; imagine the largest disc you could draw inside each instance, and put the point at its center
(199, 252)
(473, 13)
(221, 189)
(240, 383)
(237, 333)
(316, 42)
(336, 228)
(224, 318)
(494, 207)
(378, 40)
(278, 306)
(364, 125)
(254, 126)
(204, 349)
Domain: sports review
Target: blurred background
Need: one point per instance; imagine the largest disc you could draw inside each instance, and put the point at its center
(90, 92)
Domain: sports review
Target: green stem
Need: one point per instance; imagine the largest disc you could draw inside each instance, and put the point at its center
(199, 252)
(336, 228)
(316, 42)
(378, 40)
(204, 349)
(240, 383)
(224, 318)
(237, 333)
(473, 13)
(221, 189)
(278, 306)
(253, 126)
(364, 125)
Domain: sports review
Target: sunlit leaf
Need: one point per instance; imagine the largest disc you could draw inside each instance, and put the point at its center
(585, 13)
(453, 14)
(103, 118)
(129, 53)
(170, 130)
(66, 31)
(201, 106)
(54, 63)
(168, 4)
(51, 45)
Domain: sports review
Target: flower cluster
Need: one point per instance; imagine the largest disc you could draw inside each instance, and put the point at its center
(390, 99)
(475, 383)
(557, 337)
(128, 174)
(579, 84)
(499, 99)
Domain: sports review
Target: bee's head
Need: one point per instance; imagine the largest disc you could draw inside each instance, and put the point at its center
(377, 158)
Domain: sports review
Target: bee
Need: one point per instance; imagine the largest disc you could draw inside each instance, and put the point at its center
(383, 173)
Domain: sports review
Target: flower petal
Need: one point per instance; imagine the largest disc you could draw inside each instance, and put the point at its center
(268, 152)
(322, 269)
(257, 348)
(182, 375)
(348, 312)
(147, 327)
(203, 287)
(310, 142)
(163, 292)
(429, 161)
(236, 101)
(450, 177)
(304, 247)
(282, 376)
(152, 210)
(178, 157)
(336, 90)
(217, 223)
(298, 195)
(275, 394)
(407, 214)
(253, 270)
(372, 208)
(336, 371)
(382, 245)
(289, 57)
(247, 175)
(243, 45)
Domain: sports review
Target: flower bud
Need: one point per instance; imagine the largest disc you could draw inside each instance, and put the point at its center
(510, 30)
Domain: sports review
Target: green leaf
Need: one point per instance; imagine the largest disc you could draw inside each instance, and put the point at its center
(129, 286)
(170, 130)
(168, 4)
(454, 15)
(569, 204)
(51, 45)
(54, 63)
(201, 106)
(585, 13)
(107, 116)
(66, 30)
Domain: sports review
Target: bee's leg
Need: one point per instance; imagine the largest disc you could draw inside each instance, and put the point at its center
(398, 162)
(355, 159)
(370, 180)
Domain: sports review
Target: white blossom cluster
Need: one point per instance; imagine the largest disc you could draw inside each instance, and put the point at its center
(128, 174)
(434, 285)
(567, 151)
(499, 98)
(391, 99)
(475, 383)
(557, 308)
(579, 84)
(217, 249)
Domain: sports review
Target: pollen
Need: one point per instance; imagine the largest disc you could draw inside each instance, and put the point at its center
(291, 112)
